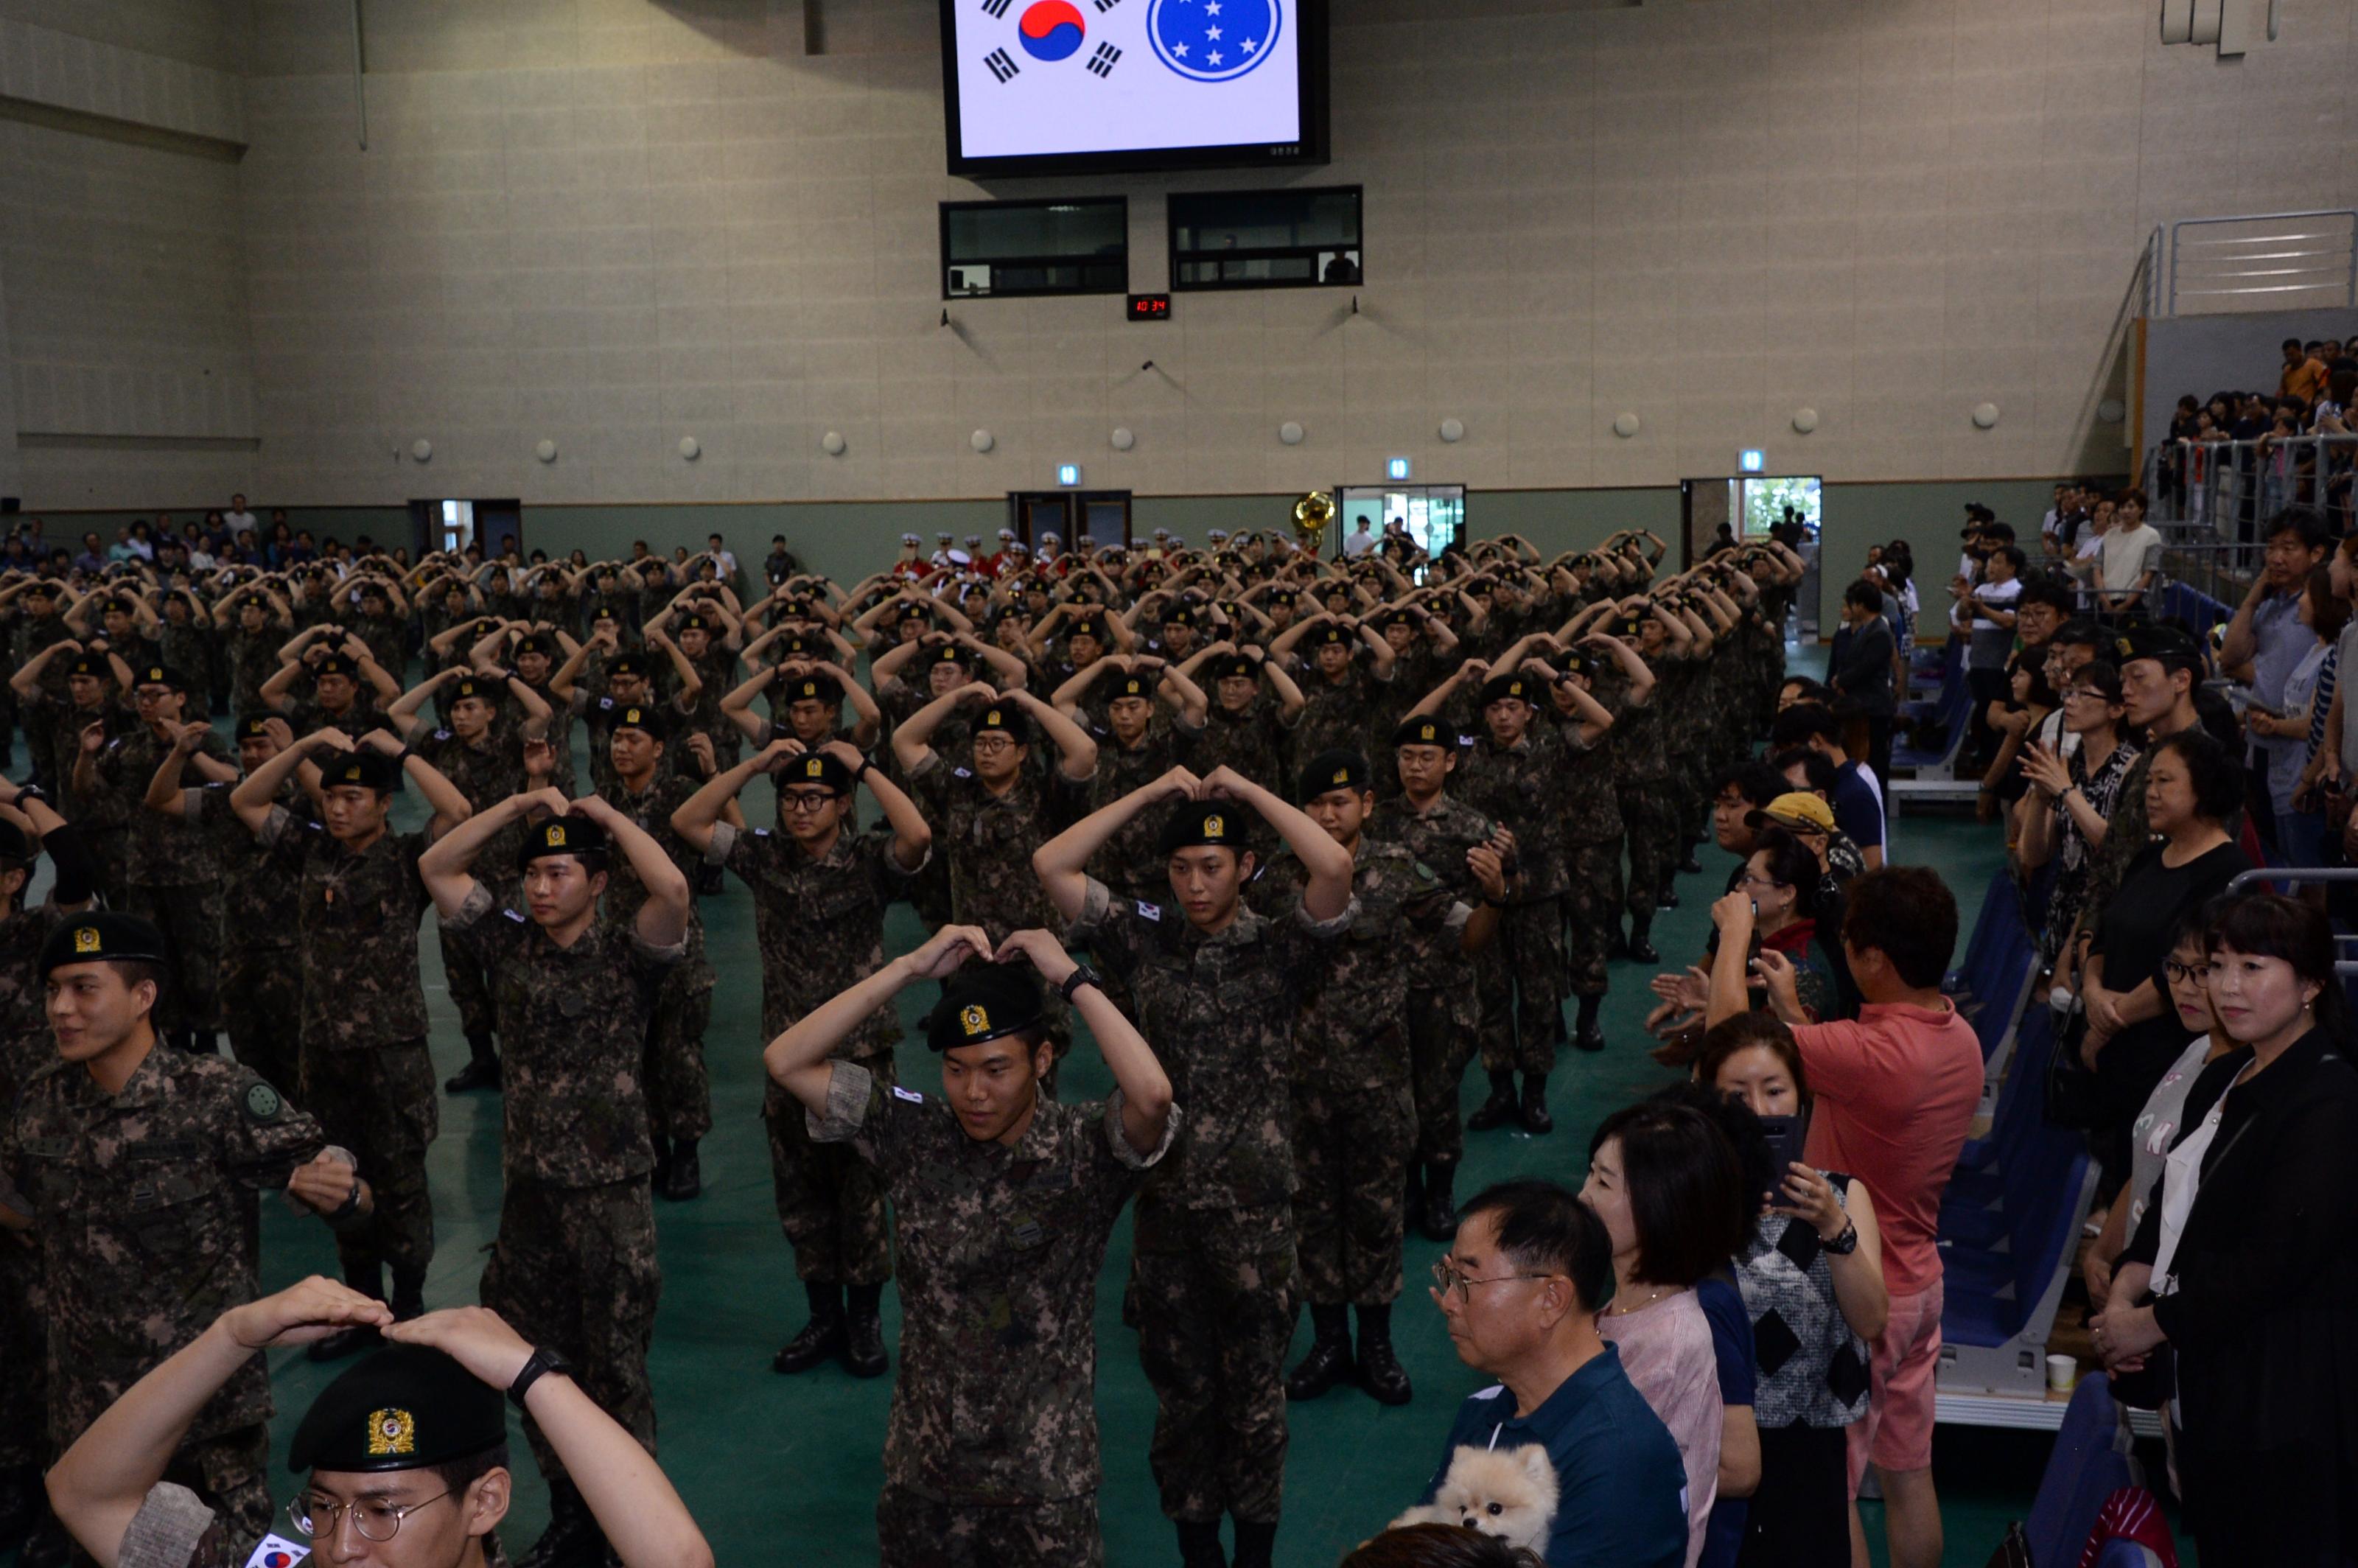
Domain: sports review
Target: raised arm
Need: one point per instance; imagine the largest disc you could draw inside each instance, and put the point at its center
(663, 918)
(257, 792)
(407, 715)
(1078, 753)
(913, 740)
(1145, 1088)
(446, 867)
(1061, 863)
(798, 1060)
(1328, 891)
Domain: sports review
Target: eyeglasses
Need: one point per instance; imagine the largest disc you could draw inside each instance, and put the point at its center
(993, 743)
(1448, 1281)
(2088, 693)
(2177, 973)
(805, 801)
(1753, 880)
(373, 1517)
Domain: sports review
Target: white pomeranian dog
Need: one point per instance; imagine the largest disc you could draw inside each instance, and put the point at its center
(1510, 1495)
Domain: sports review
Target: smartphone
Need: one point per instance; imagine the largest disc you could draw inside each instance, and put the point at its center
(1786, 1134)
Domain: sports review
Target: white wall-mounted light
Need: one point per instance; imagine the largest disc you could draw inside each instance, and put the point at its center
(981, 441)
(691, 448)
(545, 451)
(2111, 411)
(1452, 429)
(1290, 433)
(1123, 439)
(422, 449)
(1805, 420)
(833, 443)
(1984, 415)
(1625, 424)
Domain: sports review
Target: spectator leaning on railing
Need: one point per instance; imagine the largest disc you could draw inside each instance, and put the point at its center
(2267, 641)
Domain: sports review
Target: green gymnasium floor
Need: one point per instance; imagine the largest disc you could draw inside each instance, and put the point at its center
(776, 1466)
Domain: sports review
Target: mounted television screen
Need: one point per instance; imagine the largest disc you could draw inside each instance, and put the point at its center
(1100, 86)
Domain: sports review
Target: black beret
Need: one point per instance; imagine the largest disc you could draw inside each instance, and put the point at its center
(1427, 731)
(94, 664)
(14, 843)
(2174, 648)
(1336, 769)
(1229, 666)
(478, 688)
(158, 675)
(405, 1408)
(983, 1001)
(1499, 688)
(1132, 685)
(101, 935)
(695, 624)
(1330, 635)
(333, 664)
(948, 653)
(1182, 616)
(817, 768)
(626, 664)
(534, 644)
(116, 606)
(814, 688)
(1221, 823)
(1087, 626)
(644, 717)
(253, 727)
(1007, 720)
(1286, 596)
(566, 834)
(365, 767)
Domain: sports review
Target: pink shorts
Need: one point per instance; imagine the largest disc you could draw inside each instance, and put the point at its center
(1896, 1433)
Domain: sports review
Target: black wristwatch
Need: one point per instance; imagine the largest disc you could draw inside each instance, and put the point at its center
(1082, 975)
(1846, 1244)
(862, 771)
(544, 1359)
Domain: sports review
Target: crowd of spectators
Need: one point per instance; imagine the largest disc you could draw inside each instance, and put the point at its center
(2239, 456)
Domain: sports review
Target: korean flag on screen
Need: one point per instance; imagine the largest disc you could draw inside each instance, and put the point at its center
(1077, 76)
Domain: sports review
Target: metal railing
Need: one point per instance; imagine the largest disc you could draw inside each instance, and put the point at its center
(2226, 487)
(2343, 942)
(2256, 261)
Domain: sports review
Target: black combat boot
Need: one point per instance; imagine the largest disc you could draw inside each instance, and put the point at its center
(863, 1331)
(1329, 1360)
(573, 1539)
(683, 1178)
(661, 1168)
(1499, 1109)
(822, 1337)
(482, 1071)
(1617, 949)
(1255, 1543)
(369, 1282)
(408, 1293)
(1380, 1372)
(1690, 865)
(1641, 947)
(1199, 1545)
(22, 1503)
(1439, 1218)
(1587, 1034)
(1668, 897)
(1412, 1195)
(1536, 1119)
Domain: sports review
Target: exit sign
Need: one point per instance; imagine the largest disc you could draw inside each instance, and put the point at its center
(1751, 459)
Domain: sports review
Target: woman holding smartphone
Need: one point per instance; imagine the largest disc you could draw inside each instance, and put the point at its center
(1811, 1275)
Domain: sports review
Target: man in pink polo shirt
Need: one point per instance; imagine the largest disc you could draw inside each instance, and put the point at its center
(1894, 1095)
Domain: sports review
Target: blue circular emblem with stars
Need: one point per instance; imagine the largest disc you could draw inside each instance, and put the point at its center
(1214, 41)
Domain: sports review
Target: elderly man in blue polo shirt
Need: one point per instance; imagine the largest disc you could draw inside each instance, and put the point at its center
(1520, 1287)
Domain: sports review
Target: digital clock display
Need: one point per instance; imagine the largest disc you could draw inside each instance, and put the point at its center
(1150, 307)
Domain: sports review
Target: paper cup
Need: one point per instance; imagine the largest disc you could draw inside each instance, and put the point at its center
(2062, 1373)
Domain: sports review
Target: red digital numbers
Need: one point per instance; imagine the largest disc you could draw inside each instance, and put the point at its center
(1150, 307)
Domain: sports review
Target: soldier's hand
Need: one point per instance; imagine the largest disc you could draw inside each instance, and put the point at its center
(327, 1184)
(1046, 954)
(475, 1337)
(547, 801)
(308, 1310)
(94, 738)
(539, 761)
(1489, 869)
(188, 737)
(978, 691)
(780, 752)
(1474, 671)
(843, 752)
(1224, 782)
(1179, 783)
(281, 733)
(699, 746)
(384, 742)
(946, 951)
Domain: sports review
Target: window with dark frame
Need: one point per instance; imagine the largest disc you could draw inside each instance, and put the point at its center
(1077, 245)
(1266, 239)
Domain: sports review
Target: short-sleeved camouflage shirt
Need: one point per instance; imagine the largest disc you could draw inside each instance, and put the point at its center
(163, 853)
(818, 923)
(357, 923)
(1439, 839)
(989, 838)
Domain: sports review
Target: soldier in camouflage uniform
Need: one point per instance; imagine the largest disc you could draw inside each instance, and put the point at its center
(629, 681)
(482, 755)
(349, 687)
(250, 647)
(1468, 853)
(1342, 690)
(261, 989)
(679, 1087)
(91, 712)
(137, 1168)
(1246, 729)
(574, 1265)
(27, 1047)
(1214, 1229)
(1589, 820)
(820, 890)
(1005, 1200)
(364, 1068)
(174, 877)
(186, 643)
(1138, 742)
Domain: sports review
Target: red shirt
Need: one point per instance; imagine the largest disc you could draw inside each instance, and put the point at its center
(1896, 1093)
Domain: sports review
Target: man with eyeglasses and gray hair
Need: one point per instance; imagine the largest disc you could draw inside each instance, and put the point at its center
(404, 1456)
(1520, 1287)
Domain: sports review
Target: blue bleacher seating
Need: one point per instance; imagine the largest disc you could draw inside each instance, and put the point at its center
(2091, 1462)
(1949, 706)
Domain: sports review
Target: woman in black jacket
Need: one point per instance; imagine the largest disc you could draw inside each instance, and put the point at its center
(1866, 673)
(2245, 1265)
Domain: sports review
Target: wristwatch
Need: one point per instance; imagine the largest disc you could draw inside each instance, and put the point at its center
(1846, 1244)
(544, 1359)
(862, 772)
(1082, 975)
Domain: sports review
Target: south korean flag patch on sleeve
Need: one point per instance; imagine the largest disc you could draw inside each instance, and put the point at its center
(912, 1096)
(277, 1552)
(1149, 911)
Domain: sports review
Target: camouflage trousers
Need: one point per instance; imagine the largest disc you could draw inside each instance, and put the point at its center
(1592, 914)
(191, 920)
(379, 1102)
(1521, 976)
(110, 850)
(929, 893)
(230, 1474)
(1443, 1028)
(1649, 822)
(913, 1531)
(830, 1201)
(575, 1268)
(470, 986)
(1216, 1301)
(679, 1088)
(23, 1353)
(1350, 1162)
(262, 1004)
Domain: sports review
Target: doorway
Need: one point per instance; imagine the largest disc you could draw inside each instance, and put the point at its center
(1716, 513)
(1434, 514)
(450, 526)
(1100, 515)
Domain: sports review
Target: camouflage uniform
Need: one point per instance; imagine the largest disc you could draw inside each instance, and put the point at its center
(305, 716)
(103, 817)
(387, 638)
(1354, 1112)
(143, 1201)
(486, 774)
(990, 1455)
(574, 1265)
(262, 970)
(988, 839)
(187, 647)
(819, 926)
(27, 1047)
(1129, 863)
(1587, 822)
(174, 879)
(1336, 715)
(679, 1088)
(1214, 1230)
(1444, 1010)
(365, 1073)
(1520, 974)
(1253, 741)
(253, 659)
(1641, 788)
